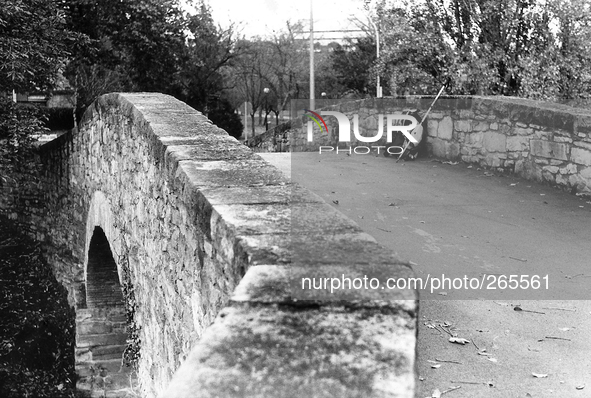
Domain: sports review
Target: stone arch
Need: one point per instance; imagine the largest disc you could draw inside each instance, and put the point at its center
(100, 215)
(101, 320)
(103, 284)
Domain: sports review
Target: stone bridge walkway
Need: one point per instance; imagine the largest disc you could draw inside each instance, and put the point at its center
(462, 220)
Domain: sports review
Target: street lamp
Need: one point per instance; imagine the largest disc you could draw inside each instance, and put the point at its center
(266, 91)
(378, 87)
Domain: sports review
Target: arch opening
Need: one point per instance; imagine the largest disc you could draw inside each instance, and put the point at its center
(101, 327)
(103, 288)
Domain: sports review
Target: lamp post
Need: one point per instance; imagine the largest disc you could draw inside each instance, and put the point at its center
(378, 87)
(266, 91)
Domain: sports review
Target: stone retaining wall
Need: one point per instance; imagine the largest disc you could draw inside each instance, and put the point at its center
(540, 141)
(190, 214)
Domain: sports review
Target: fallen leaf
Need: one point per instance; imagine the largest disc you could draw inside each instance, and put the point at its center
(564, 329)
(540, 375)
(580, 387)
(494, 360)
(421, 378)
(459, 340)
(436, 366)
(436, 393)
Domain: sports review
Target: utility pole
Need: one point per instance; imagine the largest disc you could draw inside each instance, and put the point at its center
(311, 56)
(378, 87)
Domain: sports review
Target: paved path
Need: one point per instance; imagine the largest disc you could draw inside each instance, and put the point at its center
(464, 221)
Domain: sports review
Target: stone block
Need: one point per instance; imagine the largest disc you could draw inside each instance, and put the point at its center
(580, 156)
(463, 125)
(517, 143)
(481, 126)
(445, 128)
(548, 149)
(494, 142)
(563, 139)
(474, 139)
(569, 169)
(523, 131)
(432, 126)
(301, 340)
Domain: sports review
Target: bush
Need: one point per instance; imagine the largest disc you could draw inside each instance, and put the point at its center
(224, 117)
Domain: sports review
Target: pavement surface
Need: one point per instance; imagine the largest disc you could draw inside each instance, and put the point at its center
(462, 220)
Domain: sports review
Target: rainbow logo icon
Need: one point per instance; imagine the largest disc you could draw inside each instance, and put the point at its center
(315, 119)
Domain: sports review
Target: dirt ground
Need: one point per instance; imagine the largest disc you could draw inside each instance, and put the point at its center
(457, 219)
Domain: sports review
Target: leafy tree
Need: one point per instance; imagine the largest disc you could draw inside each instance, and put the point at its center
(134, 46)
(33, 45)
(507, 47)
(351, 66)
(209, 49)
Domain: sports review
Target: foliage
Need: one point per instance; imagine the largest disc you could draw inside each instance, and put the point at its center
(495, 47)
(208, 50)
(36, 323)
(18, 125)
(134, 46)
(33, 44)
(222, 115)
(351, 66)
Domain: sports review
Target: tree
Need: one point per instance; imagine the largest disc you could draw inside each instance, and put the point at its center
(351, 65)
(208, 50)
(507, 47)
(34, 45)
(134, 46)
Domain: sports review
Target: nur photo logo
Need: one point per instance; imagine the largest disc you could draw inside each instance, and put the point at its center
(396, 123)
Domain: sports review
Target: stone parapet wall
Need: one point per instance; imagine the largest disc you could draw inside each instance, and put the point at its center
(188, 212)
(541, 141)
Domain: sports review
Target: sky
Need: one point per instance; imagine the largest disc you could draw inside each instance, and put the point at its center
(264, 17)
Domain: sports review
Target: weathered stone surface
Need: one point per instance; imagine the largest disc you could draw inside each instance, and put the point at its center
(517, 143)
(494, 142)
(188, 211)
(370, 353)
(549, 149)
(581, 156)
(445, 128)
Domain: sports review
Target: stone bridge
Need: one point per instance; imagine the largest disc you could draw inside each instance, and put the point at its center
(184, 252)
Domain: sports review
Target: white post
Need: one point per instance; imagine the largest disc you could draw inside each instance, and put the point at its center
(378, 87)
(311, 57)
(245, 120)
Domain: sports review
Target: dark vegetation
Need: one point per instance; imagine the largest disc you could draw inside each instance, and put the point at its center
(36, 323)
